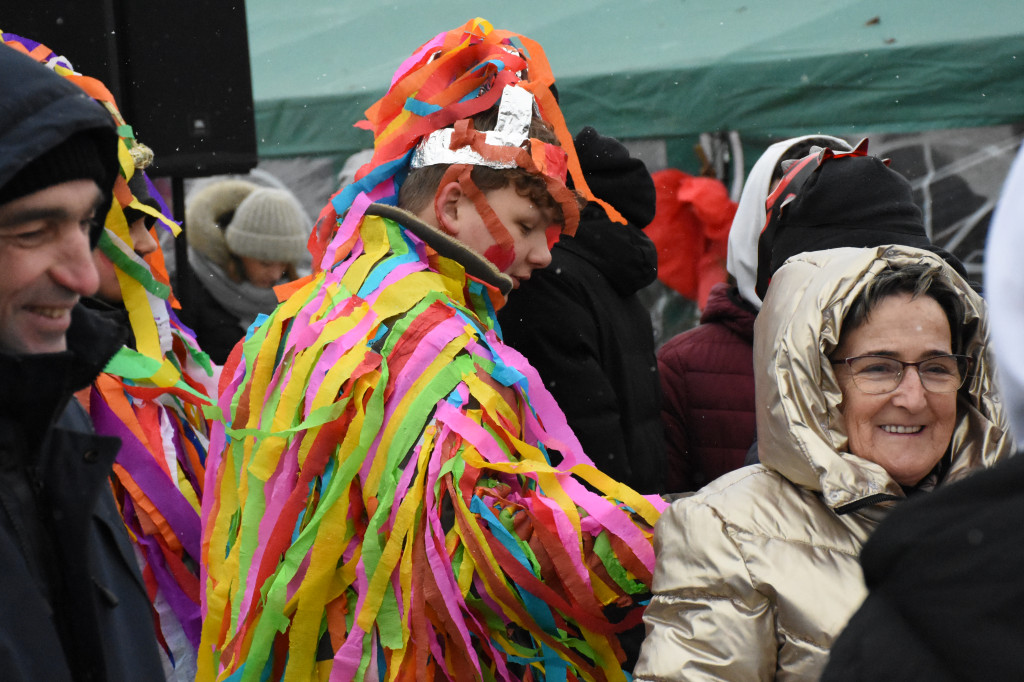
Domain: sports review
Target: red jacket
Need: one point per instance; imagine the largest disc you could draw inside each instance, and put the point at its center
(707, 383)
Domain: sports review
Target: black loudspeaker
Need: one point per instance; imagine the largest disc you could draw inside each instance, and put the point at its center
(178, 70)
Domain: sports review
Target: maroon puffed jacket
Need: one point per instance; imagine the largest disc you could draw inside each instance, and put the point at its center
(707, 383)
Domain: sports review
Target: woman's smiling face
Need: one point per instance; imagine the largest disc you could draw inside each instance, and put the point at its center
(908, 430)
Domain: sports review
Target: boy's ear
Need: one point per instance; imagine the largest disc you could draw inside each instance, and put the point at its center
(447, 204)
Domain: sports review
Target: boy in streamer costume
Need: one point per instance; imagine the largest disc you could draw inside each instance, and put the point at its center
(392, 492)
(152, 392)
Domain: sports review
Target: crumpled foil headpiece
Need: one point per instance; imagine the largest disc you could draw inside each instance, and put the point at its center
(512, 130)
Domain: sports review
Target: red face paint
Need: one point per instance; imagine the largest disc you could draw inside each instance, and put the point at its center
(502, 258)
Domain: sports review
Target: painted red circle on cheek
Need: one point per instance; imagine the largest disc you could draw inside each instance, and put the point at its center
(502, 258)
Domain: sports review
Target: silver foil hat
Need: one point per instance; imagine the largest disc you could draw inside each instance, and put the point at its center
(512, 129)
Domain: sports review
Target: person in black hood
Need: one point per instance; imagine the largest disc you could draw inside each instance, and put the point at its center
(580, 323)
(73, 605)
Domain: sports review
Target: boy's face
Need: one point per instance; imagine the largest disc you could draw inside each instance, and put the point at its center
(46, 264)
(526, 222)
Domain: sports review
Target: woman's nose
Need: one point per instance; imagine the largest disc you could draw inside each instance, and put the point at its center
(911, 392)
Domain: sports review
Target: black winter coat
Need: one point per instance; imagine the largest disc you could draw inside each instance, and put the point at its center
(72, 602)
(581, 325)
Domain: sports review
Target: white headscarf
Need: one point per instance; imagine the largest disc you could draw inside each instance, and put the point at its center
(1004, 289)
(741, 260)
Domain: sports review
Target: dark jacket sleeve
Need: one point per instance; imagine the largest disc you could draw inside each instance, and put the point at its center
(558, 335)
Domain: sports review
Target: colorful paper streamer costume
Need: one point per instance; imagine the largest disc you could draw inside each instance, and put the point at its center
(392, 494)
(152, 398)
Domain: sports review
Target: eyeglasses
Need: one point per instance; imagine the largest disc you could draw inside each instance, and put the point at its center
(876, 374)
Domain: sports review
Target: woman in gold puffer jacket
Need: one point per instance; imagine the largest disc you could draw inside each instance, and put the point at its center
(758, 572)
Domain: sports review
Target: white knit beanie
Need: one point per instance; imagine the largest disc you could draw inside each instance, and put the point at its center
(269, 225)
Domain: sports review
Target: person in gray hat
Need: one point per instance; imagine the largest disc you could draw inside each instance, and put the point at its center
(73, 605)
(244, 240)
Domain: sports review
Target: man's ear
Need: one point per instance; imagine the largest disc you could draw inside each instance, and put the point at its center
(447, 207)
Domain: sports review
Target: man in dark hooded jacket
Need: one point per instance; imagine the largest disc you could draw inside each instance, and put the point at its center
(580, 323)
(73, 605)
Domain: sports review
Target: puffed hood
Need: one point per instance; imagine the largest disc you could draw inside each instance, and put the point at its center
(801, 432)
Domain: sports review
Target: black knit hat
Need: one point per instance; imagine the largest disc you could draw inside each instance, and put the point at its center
(829, 200)
(52, 132)
(616, 177)
(75, 158)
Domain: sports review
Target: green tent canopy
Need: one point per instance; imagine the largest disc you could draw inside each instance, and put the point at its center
(659, 68)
